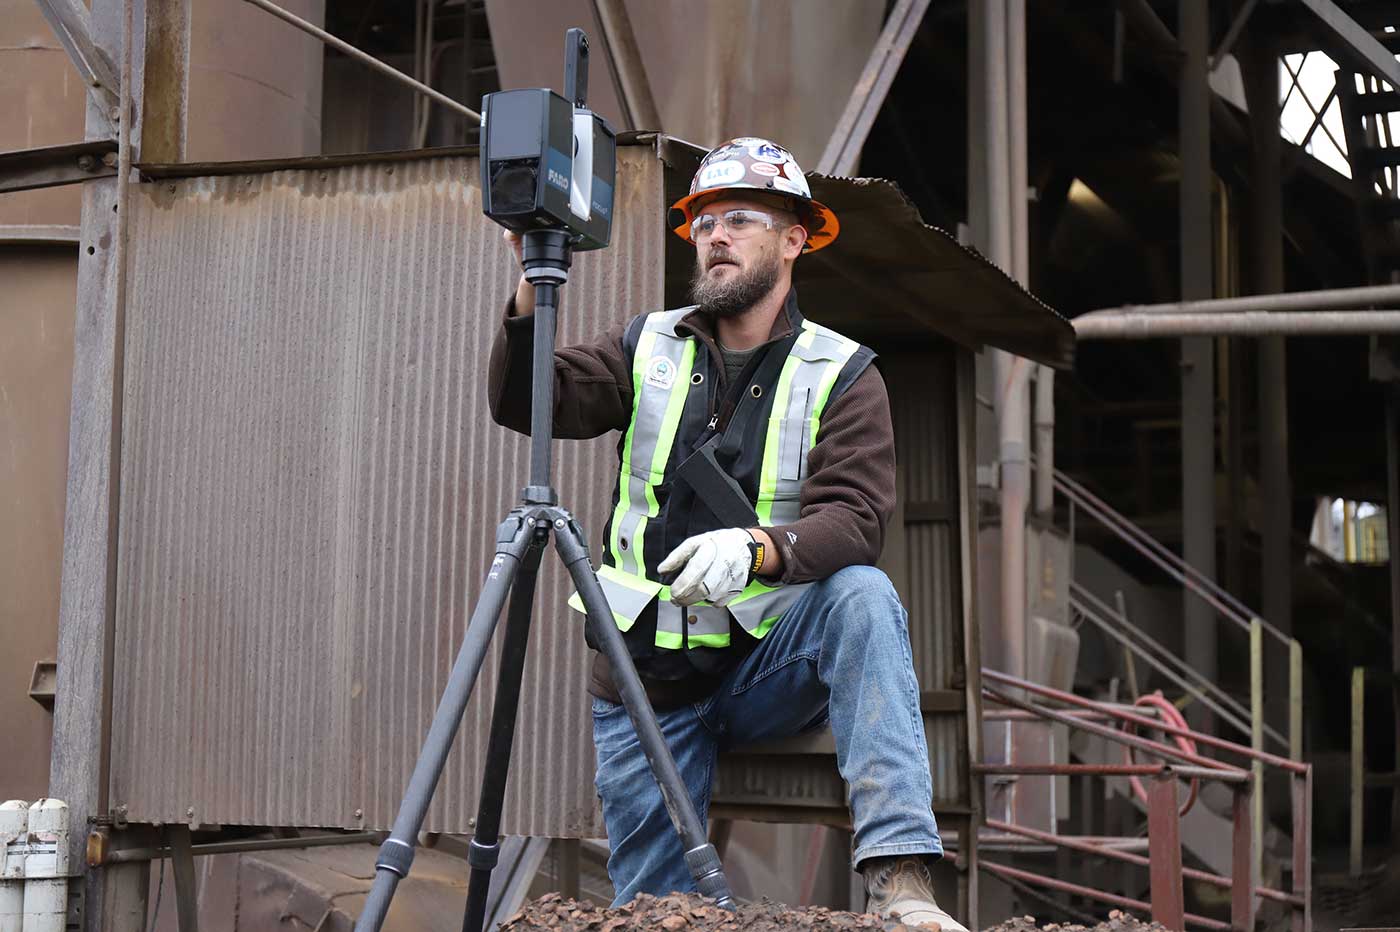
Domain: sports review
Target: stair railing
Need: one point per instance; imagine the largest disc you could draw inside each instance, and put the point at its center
(1228, 607)
(1166, 871)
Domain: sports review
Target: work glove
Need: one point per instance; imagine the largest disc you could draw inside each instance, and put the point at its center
(716, 566)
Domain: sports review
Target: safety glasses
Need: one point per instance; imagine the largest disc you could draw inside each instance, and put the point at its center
(740, 223)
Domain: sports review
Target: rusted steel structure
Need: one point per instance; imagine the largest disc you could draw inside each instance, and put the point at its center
(1164, 860)
(303, 472)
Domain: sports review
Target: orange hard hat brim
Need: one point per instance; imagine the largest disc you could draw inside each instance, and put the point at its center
(824, 218)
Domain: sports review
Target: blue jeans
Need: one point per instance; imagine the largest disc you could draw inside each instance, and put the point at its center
(840, 654)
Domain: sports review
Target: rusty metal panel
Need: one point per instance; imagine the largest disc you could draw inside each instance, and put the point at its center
(310, 486)
(36, 374)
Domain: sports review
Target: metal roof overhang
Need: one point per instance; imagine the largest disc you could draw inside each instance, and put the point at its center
(891, 276)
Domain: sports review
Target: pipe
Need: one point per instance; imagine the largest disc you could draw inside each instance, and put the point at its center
(1044, 440)
(364, 58)
(1325, 299)
(1011, 372)
(1138, 326)
(629, 74)
(133, 855)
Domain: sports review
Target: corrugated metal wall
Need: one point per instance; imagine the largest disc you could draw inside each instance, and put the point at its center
(310, 486)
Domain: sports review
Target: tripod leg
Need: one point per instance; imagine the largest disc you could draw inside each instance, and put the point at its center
(513, 538)
(485, 845)
(700, 855)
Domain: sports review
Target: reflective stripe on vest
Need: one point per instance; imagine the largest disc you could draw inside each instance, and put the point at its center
(661, 371)
(660, 379)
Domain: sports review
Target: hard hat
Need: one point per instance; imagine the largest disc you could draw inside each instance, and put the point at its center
(750, 163)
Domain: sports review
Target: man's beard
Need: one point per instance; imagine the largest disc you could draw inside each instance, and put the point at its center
(732, 297)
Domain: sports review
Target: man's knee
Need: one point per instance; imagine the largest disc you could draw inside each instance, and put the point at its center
(862, 594)
(863, 584)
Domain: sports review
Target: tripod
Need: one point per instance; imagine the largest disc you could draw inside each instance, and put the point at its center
(520, 542)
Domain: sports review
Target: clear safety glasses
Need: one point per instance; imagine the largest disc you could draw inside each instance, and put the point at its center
(740, 224)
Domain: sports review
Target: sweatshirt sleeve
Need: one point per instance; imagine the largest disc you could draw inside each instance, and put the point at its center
(592, 381)
(848, 497)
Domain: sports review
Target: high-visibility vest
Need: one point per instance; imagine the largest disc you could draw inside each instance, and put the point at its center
(662, 369)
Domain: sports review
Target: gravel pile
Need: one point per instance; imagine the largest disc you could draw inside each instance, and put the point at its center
(692, 913)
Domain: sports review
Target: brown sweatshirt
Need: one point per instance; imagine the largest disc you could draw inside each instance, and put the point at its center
(847, 498)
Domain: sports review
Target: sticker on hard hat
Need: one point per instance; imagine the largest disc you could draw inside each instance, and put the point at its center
(791, 187)
(767, 152)
(661, 372)
(720, 173)
(729, 150)
(763, 168)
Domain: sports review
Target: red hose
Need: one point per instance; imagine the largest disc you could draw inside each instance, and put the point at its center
(1172, 716)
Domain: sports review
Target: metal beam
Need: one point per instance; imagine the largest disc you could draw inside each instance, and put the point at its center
(50, 166)
(1197, 353)
(1334, 299)
(843, 150)
(1366, 50)
(364, 58)
(629, 74)
(1233, 33)
(72, 24)
(1248, 324)
(86, 618)
(165, 90)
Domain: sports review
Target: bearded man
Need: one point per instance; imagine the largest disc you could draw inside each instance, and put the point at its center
(773, 622)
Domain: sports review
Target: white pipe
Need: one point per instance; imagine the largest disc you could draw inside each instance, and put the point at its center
(14, 842)
(1135, 326)
(46, 867)
(1327, 299)
(1005, 87)
(1044, 440)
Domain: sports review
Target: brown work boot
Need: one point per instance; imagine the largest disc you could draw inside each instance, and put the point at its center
(901, 888)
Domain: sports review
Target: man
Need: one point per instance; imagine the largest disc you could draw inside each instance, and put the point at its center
(761, 615)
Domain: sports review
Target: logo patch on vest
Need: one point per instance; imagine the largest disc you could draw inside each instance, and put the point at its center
(661, 372)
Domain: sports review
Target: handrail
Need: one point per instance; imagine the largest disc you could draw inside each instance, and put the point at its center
(1199, 583)
(1164, 839)
(1143, 722)
(1097, 611)
(1238, 715)
(1196, 693)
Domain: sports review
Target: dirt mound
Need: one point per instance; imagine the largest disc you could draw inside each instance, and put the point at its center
(1117, 922)
(690, 913)
(685, 913)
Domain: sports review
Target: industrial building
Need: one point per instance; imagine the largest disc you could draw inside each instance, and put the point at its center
(1130, 268)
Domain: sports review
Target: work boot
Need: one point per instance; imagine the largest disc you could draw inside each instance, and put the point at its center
(901, 888)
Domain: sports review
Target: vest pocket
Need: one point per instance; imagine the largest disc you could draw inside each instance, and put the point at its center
(793, 434)
(628, 595)
(758, 611)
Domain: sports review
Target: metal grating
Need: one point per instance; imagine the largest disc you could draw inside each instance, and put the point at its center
(310, 486)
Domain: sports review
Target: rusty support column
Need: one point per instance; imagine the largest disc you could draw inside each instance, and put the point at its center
(111, 898)
(1259, 62)
(1302, 850)
(1164, 852)
(1242, 859)
(1197, 353)
(166, 88)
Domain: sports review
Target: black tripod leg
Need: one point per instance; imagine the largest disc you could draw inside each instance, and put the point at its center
(485, 845)
(700, 855)
(513, 538)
